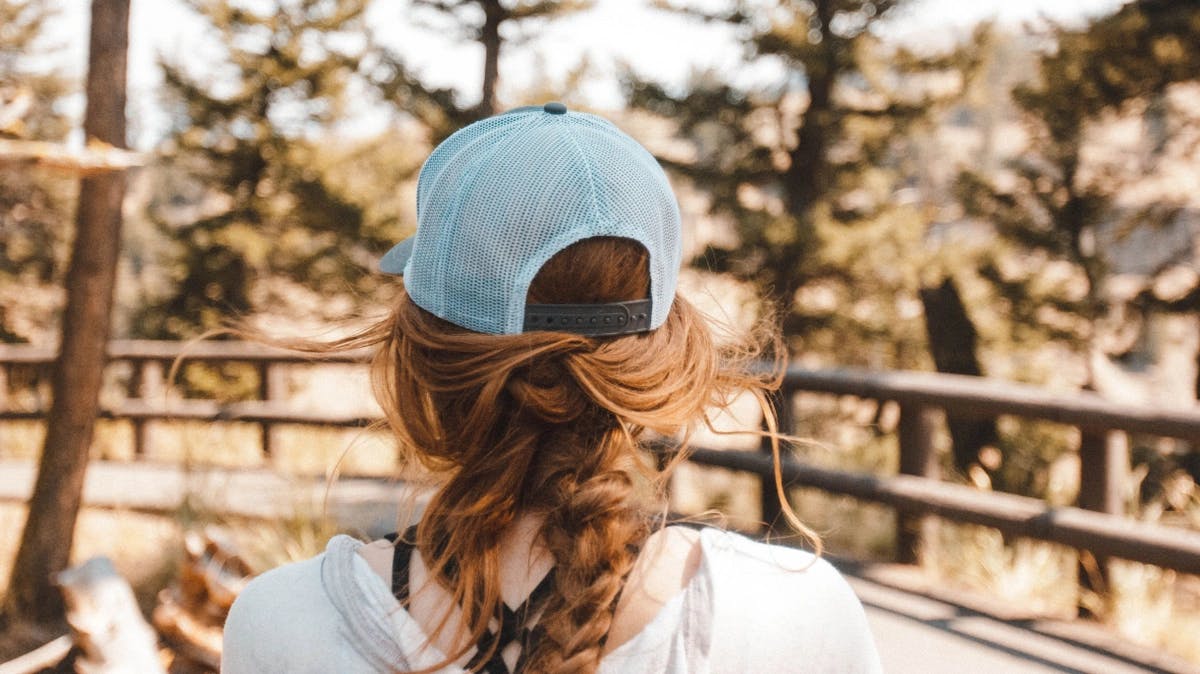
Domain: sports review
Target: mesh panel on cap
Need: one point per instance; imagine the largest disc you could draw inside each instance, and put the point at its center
(439, 189)
(502, 196)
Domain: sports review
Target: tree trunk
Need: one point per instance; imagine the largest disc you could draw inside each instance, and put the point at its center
(807, 175)
(1196, 382)
(494, 14)
(806, 180)
(952, 343)
(91, 276)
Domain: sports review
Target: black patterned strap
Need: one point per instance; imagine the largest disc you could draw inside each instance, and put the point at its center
(401, 554)
(514, 624)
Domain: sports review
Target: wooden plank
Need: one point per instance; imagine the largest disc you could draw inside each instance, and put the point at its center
(251, 411)
(1103, 478)
(917, 457)
(166, 350)
(267, 388)
(983, 398)
(912, 616)
(1103, 471)
(1105, 535)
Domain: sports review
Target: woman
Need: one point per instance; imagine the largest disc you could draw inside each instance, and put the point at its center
(536, 341)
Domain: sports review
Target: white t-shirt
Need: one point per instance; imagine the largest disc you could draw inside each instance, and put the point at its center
(751, 607)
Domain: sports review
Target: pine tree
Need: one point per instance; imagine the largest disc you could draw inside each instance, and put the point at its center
(1053, 204)
(482, 21)
(807, 171)
(259, 183)
(35, 207)
(247, 197)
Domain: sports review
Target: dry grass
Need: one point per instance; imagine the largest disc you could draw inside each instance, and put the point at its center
(281, 541)
(1040, 577)
(1156, 607)
(847, 527)
(1145, 604)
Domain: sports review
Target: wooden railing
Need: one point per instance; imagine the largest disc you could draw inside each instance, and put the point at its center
(151, 361)
(1103, 451)
(1096, 525)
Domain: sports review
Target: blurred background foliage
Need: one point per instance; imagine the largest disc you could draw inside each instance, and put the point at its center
(247, 203)
(1022, 203)
(35, 210)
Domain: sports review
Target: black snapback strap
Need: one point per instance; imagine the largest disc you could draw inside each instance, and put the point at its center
(590, 320)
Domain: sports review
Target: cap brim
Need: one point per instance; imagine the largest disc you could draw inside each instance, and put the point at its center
(394, 261)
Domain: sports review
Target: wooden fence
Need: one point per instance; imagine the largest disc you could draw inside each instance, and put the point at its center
(1096, 525)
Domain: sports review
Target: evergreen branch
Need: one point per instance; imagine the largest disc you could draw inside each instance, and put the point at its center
(1148, 301)
(737, 15)
(447, 7)
(535, 9)
(94, 159)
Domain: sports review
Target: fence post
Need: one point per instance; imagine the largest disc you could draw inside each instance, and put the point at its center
(1103, 473)
(266, 391)
(917, 457)
(771, 507)
(4, 370)
(135, 389)
(146, 381)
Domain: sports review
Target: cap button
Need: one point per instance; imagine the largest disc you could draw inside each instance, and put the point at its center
(555, 108)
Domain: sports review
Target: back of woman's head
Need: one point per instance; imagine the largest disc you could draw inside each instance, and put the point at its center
(551, 424)
(537, 340)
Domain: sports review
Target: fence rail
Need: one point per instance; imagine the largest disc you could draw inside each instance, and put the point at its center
(1104, 428)
(143, 350)
(1097, 525)
(152, 359)
(975, 397)
(252, 411)
(1102, 534)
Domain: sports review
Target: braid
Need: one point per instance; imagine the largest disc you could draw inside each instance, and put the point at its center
(593, 537)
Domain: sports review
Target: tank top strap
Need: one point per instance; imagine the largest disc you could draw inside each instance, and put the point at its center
(513, 625)
(402, 550)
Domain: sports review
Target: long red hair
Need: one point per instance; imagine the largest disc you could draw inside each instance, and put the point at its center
(555, 424)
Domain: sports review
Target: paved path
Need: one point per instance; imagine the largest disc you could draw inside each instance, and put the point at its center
(919, 634)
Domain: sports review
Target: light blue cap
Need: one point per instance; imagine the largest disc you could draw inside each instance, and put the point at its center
(500, 197)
